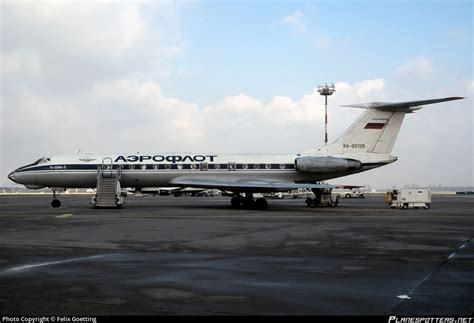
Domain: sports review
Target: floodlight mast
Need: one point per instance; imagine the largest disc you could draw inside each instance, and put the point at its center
(326, 90)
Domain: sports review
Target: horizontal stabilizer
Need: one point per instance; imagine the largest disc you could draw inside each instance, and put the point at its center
(244, 185)
(408, 106)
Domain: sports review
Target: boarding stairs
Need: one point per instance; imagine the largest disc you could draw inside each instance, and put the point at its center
(108, 192)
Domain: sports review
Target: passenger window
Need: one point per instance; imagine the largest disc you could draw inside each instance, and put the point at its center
(203, 166)
(231, 166)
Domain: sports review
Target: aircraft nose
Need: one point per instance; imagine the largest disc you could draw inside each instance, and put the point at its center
(11, 176)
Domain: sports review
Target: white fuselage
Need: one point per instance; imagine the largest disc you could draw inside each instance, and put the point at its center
(79, 171)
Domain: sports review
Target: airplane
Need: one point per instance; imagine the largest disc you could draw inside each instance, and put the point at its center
(366, 144)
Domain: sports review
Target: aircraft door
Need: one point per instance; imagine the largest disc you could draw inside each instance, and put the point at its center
(107, 167)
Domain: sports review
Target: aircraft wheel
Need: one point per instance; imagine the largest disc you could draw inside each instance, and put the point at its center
(427, 206)
(261, 204)
(248, 203)
(236, 202)
(347, 196)
(56, 203)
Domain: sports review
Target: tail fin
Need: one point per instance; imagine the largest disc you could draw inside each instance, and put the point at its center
(376, 130)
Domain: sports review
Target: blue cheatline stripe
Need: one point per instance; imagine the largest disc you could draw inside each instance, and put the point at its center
(213, 166)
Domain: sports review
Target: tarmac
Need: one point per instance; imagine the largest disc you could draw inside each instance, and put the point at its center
(198, 256)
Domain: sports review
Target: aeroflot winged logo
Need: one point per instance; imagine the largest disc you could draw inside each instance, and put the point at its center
(88, 159)
(168, 158)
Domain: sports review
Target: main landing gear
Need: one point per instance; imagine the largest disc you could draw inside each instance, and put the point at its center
(322, 197)
(248, 202)
(55, 203)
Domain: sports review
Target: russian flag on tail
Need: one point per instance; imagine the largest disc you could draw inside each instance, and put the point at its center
(376, 124)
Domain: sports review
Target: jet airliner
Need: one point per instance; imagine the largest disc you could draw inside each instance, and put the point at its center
(366, 144)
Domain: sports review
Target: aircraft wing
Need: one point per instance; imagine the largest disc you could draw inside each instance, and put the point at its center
(168, 190)
(243, 185)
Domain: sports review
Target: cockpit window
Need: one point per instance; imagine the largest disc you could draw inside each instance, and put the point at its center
(38, 162)
(42, 160)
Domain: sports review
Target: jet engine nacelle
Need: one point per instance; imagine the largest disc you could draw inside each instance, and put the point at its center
(33, 187)
(324, 165)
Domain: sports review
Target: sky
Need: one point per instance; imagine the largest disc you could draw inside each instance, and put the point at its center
(235, 76)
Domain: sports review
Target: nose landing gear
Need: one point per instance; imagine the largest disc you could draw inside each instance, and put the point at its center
(56, 202)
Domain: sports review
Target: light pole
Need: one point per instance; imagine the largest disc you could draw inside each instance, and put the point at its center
(326, 90)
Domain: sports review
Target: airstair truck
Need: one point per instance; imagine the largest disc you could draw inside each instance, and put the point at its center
(408, 198)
